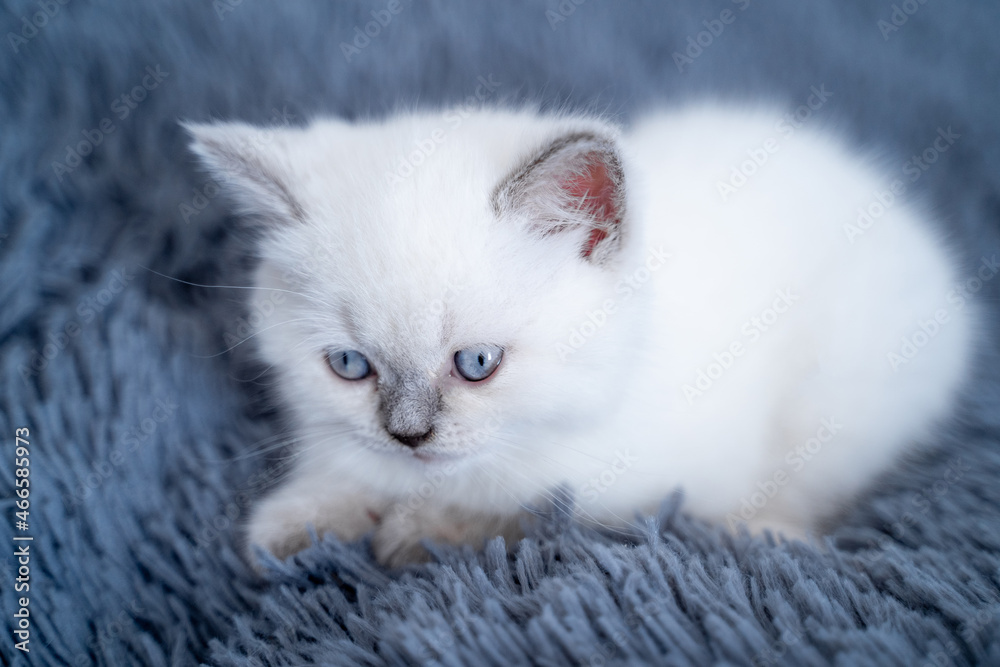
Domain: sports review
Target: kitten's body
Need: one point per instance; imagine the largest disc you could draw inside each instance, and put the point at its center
(732, 343)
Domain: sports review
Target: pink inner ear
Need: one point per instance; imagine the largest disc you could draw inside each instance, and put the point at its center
(597, 190)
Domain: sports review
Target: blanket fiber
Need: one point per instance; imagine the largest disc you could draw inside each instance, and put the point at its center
(150, 434)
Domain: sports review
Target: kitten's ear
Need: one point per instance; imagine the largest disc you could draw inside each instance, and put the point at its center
(248, 161)
(575, 186)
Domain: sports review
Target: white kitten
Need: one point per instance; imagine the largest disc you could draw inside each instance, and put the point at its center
(481, 308)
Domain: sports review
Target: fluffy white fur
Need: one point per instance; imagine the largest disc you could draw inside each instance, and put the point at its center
(620, 379)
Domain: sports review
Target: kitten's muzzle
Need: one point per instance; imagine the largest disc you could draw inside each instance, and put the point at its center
(409, 406)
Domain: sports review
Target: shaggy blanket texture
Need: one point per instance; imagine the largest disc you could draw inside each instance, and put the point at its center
(149, 433)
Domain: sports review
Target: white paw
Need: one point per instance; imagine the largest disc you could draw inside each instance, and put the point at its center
(279, 522)
(398, 537)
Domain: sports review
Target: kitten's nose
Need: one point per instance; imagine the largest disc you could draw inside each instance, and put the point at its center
(408, 405)
(413, 441)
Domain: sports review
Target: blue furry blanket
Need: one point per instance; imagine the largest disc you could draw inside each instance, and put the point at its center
(145, 432)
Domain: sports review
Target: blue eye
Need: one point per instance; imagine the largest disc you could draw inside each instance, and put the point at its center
(349, 364)
(478, 363)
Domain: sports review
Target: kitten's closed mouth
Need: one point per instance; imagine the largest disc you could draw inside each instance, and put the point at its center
(434, 457)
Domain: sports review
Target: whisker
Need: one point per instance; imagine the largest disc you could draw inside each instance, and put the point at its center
(247, 287)
(259, 331)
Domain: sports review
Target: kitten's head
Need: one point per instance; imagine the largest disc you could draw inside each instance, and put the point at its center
(432, 270)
